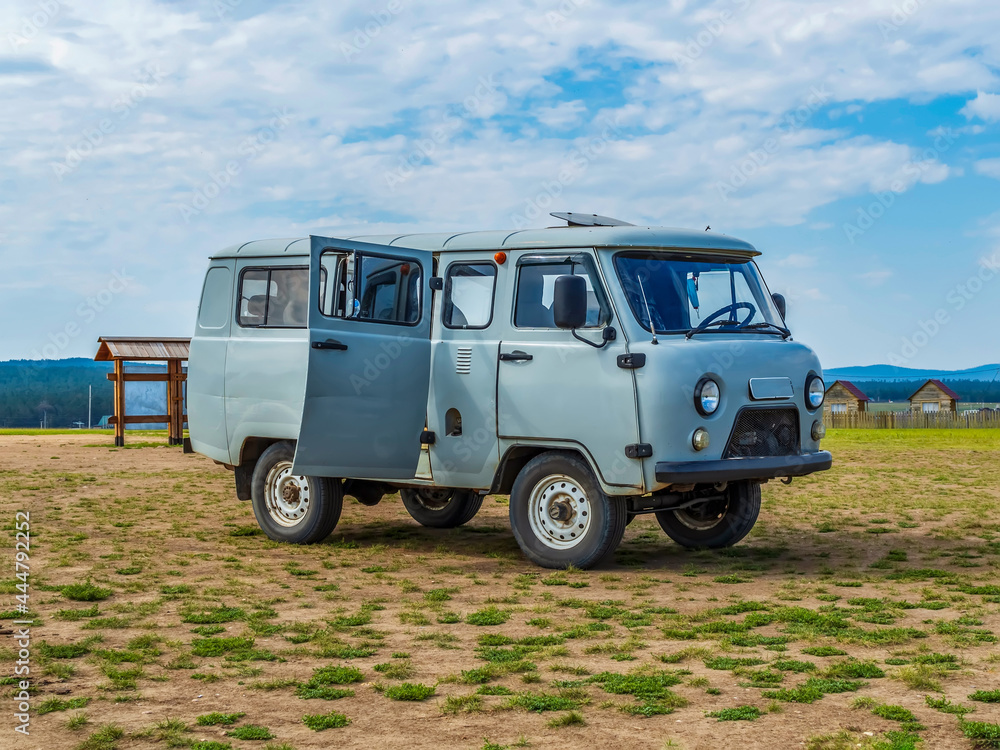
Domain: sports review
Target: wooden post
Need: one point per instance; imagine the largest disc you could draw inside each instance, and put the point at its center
(120, 403)
(175, 404)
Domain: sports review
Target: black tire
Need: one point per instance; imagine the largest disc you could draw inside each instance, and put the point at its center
(563, 483)
(717, 523)
(441, 508)
(289, 508)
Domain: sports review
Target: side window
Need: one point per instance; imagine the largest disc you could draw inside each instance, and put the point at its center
(386, 290)
(333, 284)
(536, 289)
(274, 298)
(213, 313)
(468, 295)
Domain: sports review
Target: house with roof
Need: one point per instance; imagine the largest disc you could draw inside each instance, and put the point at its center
(843, 397)
(934, 396)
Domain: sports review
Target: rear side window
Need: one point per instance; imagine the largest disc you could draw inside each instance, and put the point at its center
(536, 281)
(274, 298)
(468, 295)
(213, 313)
(387, 290)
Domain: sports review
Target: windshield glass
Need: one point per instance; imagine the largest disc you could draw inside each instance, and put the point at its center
(681, 293)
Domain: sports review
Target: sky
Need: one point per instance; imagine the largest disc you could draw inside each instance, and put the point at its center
(856, 144)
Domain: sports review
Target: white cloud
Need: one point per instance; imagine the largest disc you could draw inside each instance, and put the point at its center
(985, 106)
(988, 167)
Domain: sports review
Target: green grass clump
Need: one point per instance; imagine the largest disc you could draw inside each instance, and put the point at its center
(490, 615)
(250, 732)
(63, 650)
(540, 702)
(573, 718)
(220, 646)
(893, 713)
(737, 713)
(319, 722)
(813, 690)
(86, 592)
(408, 691)
(216, 719)
(985, 696)
(455, 704)
(213, 616)
(396, 670)
(72, 615)
(946, 706)
(105, 738)
(854, 670)
(982, 734)
(211, 745)
(729, 662)
(58, 704)
(824, 651)
(791, 665)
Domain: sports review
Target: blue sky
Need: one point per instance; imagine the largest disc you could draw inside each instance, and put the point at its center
(856, 143)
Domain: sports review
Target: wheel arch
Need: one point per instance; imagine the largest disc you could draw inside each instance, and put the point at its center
(251, 450)
(518, 456)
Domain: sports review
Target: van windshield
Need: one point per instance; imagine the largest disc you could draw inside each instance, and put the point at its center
(682, 294)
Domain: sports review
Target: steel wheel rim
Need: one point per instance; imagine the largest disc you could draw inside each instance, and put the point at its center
(559, 512)
(287, 495)
(435, 500)
(705, 521)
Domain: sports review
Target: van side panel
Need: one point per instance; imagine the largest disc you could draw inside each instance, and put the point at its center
(207, 364)
(265, 374)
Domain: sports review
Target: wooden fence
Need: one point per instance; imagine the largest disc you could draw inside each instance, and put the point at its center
(909, 420)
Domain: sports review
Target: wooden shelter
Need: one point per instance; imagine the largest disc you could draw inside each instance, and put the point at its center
(174, 352)
(934, 396)
(843, 397)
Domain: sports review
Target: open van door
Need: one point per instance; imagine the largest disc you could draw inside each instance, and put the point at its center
(369, 361)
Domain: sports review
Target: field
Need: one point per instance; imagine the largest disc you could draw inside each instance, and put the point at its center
(863, 611)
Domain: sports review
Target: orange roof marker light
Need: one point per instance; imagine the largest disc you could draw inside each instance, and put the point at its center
(500, 258)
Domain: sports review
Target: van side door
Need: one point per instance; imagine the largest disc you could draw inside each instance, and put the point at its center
(369, 356)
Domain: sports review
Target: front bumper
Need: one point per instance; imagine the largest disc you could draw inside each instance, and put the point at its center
(734, 469)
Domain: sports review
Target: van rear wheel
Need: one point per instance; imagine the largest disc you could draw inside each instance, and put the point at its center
(719, 522)
(289, 507)
(560, 516)
(441, 508)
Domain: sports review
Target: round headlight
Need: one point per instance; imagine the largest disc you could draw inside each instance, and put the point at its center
(706, 396)
(815, 392)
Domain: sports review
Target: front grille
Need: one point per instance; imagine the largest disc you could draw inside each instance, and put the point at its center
(764, 432)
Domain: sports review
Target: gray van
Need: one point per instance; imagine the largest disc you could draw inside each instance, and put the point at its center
(593, 372)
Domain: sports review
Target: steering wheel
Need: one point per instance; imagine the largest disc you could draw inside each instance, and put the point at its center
(730, 308)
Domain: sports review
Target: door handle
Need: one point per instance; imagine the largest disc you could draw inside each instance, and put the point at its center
(329, 344)
(516, 356)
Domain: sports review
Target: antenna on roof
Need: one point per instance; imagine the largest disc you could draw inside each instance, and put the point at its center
(589, 220)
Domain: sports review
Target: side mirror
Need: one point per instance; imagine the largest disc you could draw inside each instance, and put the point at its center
(569, 302)
(779, 302)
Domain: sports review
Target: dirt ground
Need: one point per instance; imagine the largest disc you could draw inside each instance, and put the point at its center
(890, 559)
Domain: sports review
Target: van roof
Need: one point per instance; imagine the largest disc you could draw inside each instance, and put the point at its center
(554, 237)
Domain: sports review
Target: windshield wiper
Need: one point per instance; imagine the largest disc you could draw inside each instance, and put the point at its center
(785, 333)
(704, 327)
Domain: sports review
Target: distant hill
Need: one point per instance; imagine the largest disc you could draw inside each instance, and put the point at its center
(53, 390)
(891, 372)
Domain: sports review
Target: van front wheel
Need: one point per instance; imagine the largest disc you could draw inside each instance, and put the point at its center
(560, 516)
(292, 508)
(719, 522)
(441, 508)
